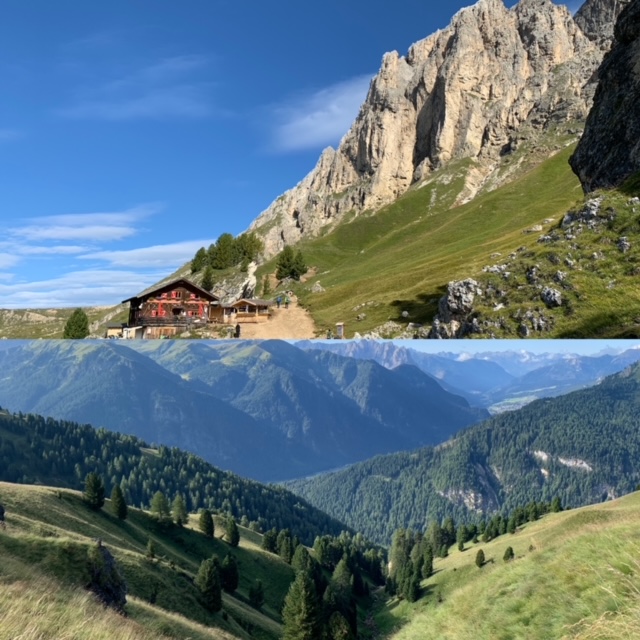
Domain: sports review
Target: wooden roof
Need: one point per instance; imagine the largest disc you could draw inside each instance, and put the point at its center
(168, 286)
(256, 302)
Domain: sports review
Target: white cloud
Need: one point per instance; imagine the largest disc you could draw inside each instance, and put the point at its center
(157, 91)
(93, 287)
(92, 227)
(55, 250)
(168, 256)
(319, 119)
(8, 260)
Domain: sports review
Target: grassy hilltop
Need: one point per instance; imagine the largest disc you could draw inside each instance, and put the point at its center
(576, 575)
(43, 574)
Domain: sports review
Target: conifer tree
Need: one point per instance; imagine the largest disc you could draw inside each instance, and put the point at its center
(556, 505)
(207, 279)
(151, 549)
(94, 491)
(232, 535)
(118, 503)
(77, 326)
(229, 574)
(301, 612)
(206, 523)
(508, 554)
(209, 584)
(480, 558)
(179, 510)
(160, 506)
(199, 260)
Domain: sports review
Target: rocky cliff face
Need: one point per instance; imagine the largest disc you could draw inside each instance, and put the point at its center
(609, 151)
(464, 92)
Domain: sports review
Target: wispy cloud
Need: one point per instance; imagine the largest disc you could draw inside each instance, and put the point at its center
(91, 287)
(88, 227)
(163, 255)
(321, 118)
(8, 260)
(164, 89)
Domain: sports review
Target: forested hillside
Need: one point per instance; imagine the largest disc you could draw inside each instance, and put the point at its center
(583, 448)
(37, 450)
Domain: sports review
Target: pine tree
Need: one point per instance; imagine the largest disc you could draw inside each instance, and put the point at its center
(206, 523)
(556, 505)
(151, 549)
(94, 491)
(256, 594)
(508, 554)
(229, 574)
(207, 279)
(511, 525)
(301, 611)
(209, 584)
(480, 558)
(179, 510)
(232, 535)
(290, 264)
(118, 503)
(266, 286)
(199, 260)
(160, 506)
(338, 628)
(77, 326)
(427, 565)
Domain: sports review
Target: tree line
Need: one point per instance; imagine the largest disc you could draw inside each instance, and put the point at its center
(37, 450)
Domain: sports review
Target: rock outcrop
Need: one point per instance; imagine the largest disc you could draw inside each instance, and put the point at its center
(464, 92)
(609, 151)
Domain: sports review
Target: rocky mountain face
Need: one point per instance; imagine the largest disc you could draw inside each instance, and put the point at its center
(466, 92)
(609, 151)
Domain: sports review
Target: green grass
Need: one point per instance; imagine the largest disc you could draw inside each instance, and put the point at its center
(49, 531)
(576, 575)
(401, 258)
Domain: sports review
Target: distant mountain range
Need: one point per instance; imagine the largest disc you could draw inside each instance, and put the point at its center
(583, 447)
(491, 379)
(268, 411)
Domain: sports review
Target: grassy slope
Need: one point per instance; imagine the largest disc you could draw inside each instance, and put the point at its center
(44, 552)
(402, 257)
(576, 575)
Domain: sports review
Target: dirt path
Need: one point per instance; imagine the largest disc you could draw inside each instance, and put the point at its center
(293, 322)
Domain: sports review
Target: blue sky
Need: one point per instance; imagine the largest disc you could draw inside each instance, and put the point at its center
(133, 132)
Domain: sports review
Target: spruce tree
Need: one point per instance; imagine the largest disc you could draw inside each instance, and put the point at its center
(232, 535)
(118, 503)
(151, 549)
(209, 584)
(206, 523)
(160, 506)
(301, 612)
(199, 260)
(93, 491)
(207, 279)
(480, 558)
(179, 510)
(556, 505)
(77, 326)
(508, 554)
(229, 574)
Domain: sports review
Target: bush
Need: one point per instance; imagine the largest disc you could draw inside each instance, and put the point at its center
(508, 554)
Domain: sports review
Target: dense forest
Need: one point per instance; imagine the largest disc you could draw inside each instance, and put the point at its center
(583, 447)
(37, 450)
